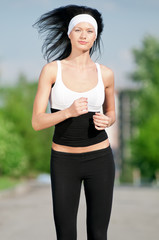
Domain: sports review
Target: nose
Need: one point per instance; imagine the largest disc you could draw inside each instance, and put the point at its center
(83, 34)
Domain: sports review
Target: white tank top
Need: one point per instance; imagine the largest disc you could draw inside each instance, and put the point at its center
(62, 97)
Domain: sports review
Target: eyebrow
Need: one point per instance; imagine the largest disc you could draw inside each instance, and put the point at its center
(86, 28)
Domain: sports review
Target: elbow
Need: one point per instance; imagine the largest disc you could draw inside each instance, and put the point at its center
(112, 122)
(114, 118)
(35, 125)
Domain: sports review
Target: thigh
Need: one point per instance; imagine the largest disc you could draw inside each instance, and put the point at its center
(66, 186)
(98, 186)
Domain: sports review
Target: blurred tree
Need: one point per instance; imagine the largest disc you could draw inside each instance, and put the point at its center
(13, 158)
(17, 108)
(145, 141)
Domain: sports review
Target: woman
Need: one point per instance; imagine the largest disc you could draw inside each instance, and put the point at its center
(77, 89)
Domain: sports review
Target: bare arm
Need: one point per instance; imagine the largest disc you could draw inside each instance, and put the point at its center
(108, 118)
(41, 119)
(109, 103)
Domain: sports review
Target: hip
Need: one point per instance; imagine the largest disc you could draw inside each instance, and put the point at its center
(68, 149)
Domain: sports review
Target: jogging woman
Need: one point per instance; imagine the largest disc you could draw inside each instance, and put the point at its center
(81, 96)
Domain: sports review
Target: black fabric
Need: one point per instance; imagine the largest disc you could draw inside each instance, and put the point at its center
(78, 131)
(96, 170)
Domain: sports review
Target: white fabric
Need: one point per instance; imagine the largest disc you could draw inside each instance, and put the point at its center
(62, 97)
(82, 18)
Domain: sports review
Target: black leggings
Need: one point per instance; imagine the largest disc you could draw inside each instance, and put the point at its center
(97, 170)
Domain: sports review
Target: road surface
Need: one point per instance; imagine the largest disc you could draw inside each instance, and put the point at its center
(28, 215)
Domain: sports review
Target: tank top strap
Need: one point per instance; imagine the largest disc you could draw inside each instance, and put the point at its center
(99, 73)
(58, 77)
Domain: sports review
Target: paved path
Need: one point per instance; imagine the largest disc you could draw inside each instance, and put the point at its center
(135, 215)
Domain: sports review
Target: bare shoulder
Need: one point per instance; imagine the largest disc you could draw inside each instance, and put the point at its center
(49, 72)
(107, 75)
(52, 66)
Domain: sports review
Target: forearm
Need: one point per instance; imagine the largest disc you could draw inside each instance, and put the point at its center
(45, 120)
(111, 115)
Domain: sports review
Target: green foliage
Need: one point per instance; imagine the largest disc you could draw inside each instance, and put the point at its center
(145, 142)
(145, 147)
(31, 146)
(126, 176)
(147, 62)
(9, 182)
(13, 160)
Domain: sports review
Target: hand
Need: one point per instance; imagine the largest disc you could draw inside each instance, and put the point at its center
(78, 107)
(101, 121)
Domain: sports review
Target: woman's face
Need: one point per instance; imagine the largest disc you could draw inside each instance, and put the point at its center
(82, 36)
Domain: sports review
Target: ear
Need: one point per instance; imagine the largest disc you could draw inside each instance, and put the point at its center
(68, 36)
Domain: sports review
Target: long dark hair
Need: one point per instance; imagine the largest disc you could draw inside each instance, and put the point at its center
(53, 25)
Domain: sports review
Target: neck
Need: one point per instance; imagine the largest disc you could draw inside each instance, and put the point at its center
(80, 60)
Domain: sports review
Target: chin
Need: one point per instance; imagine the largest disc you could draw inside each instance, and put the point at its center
(86, 47)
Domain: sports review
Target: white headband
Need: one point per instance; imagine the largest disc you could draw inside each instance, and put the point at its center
(82, 18)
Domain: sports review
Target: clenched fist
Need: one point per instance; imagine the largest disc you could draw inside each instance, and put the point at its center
(78, 107)
(101, 121)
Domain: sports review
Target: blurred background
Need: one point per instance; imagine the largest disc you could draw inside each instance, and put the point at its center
(130, 48)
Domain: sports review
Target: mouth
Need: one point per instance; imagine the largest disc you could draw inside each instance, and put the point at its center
(82, 42)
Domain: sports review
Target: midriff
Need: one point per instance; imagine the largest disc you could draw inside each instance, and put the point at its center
(63, 148)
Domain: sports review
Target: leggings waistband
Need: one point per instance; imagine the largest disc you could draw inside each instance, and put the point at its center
(90, 154)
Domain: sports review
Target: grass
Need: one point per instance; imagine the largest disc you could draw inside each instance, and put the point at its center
(8, 182)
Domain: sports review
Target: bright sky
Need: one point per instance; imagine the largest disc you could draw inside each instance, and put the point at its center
(125, 25)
